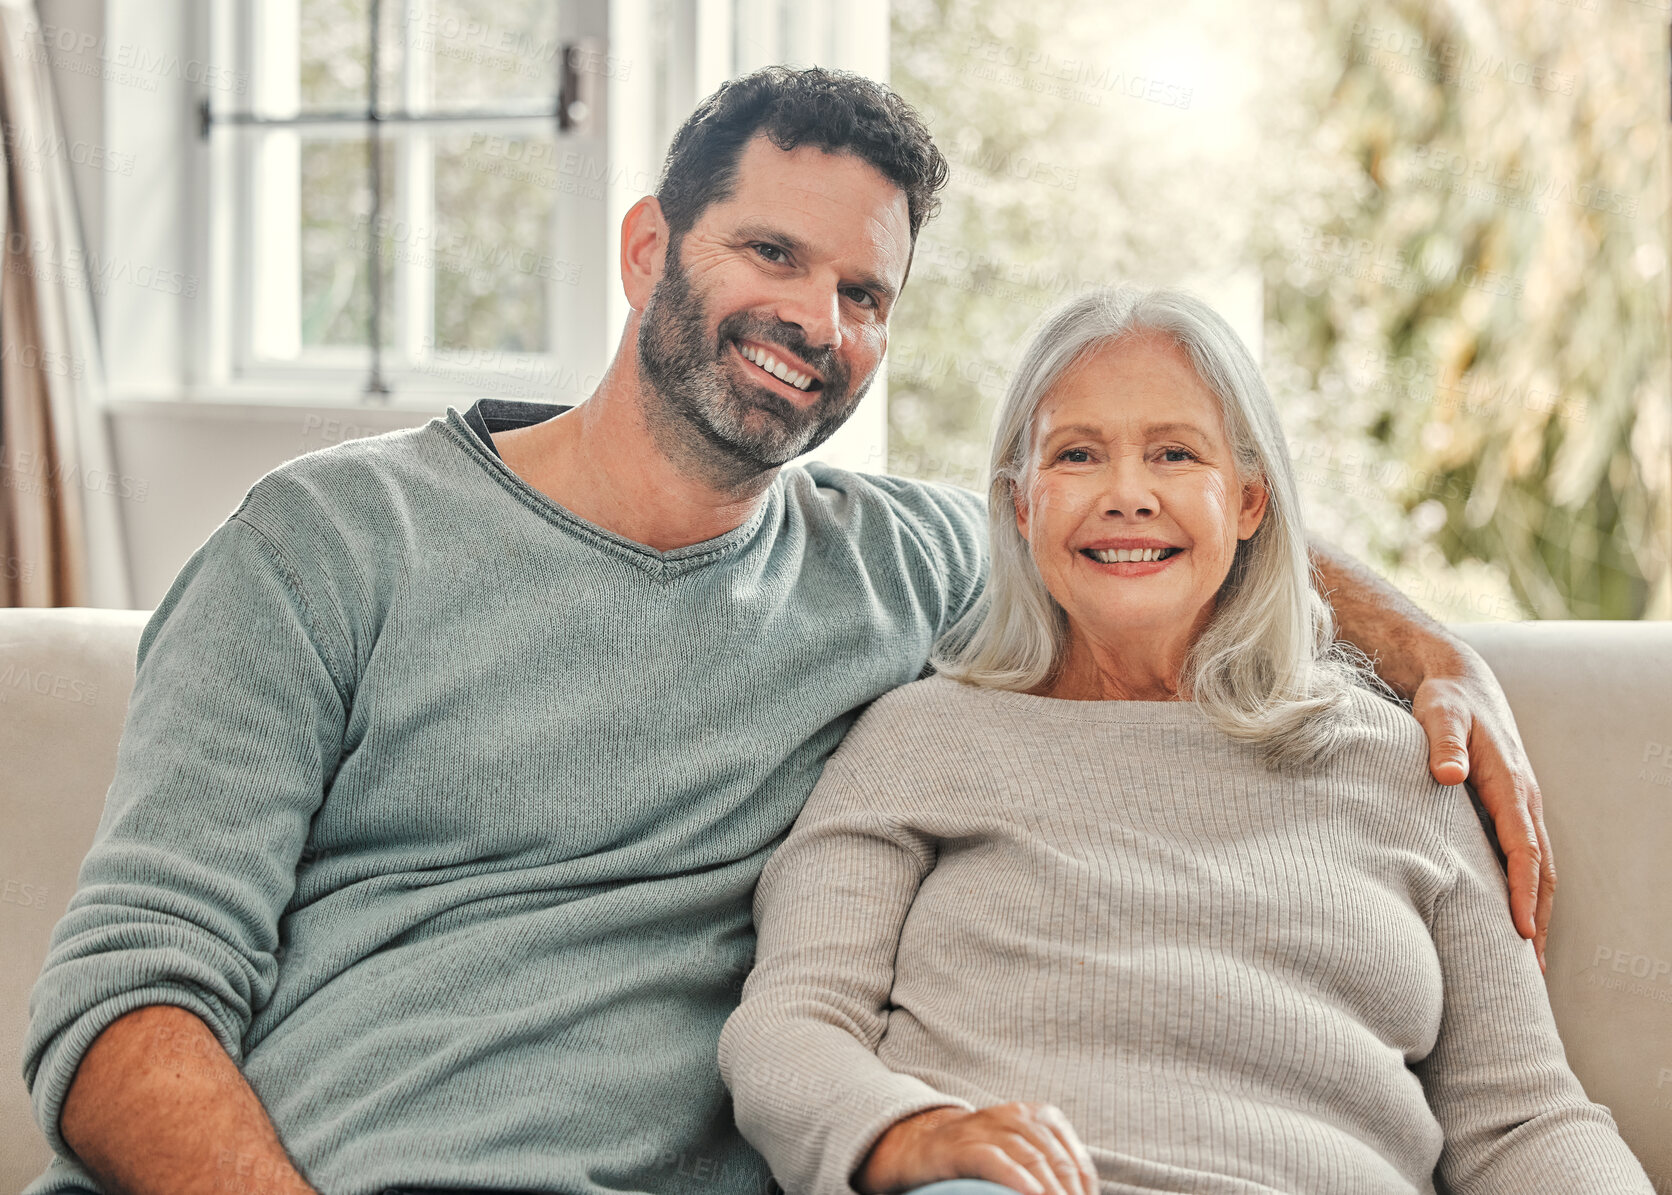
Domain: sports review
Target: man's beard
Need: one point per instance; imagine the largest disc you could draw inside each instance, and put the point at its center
(743, 430)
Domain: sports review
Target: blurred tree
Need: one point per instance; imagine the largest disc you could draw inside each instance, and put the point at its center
(1043, 204)
(1508, 296)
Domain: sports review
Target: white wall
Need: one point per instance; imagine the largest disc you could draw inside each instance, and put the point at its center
(188, 465)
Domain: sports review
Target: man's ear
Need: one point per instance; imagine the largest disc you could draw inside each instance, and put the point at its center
(1254, 499)
(644, 249)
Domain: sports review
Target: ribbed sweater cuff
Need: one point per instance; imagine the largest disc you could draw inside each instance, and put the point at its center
(860, 1117)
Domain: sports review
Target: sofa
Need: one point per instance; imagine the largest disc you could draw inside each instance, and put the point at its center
(1593, 701)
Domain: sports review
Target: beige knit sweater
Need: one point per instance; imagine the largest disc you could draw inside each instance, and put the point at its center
(1231, 981)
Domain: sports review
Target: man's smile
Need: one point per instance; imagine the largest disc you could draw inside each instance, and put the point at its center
(779, 365)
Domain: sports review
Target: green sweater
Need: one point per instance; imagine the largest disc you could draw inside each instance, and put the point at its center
(444, 807)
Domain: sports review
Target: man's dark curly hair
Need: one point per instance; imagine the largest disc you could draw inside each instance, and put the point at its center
(833, 110)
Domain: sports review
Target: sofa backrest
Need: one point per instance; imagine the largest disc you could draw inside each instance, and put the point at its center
(65, 676)
(1593, 701)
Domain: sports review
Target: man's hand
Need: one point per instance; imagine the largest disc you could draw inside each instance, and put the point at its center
(1028, 1147)
(1472, 736)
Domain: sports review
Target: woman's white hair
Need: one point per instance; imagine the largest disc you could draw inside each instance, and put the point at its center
(1267, 668)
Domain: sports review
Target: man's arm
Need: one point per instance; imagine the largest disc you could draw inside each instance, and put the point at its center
(1471, 732)
(157, 1108)
(235, 721)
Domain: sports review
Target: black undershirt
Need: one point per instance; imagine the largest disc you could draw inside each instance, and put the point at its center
(488, 415)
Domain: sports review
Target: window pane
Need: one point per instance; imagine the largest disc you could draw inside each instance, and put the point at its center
(337, 232)
(494, 267)
(333, 36)
(483, 51)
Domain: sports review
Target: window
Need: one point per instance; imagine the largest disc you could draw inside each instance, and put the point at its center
(412, 194)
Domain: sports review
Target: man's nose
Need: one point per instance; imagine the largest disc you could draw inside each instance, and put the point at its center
(815, 308)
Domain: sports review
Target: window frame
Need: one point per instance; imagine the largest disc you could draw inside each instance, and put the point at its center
(237, 210)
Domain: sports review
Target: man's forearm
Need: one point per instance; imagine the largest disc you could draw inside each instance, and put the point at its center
(1380, 621)
(157, 1108)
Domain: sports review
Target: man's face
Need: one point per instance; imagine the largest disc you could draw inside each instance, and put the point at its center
(794, 274)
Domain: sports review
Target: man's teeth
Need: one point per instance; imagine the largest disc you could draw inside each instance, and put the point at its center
(1125, 555)
(775, 367)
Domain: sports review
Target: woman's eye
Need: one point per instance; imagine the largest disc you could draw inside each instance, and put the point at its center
(1176, 456)
(1074, 456)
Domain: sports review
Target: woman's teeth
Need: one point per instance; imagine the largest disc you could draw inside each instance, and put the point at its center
(1126, 555)
(775, 367)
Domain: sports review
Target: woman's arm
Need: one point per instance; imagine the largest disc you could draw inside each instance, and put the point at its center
(799, 1053)
(1462, 709)
(1515, 1118)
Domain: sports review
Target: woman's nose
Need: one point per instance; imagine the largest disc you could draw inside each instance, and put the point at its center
(1127, 491)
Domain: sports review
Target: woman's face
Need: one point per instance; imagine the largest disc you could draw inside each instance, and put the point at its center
(1130, 453)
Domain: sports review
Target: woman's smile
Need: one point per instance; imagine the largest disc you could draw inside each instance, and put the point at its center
(1134, 559)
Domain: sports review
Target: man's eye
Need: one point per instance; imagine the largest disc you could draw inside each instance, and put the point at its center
(771, 252)
(863, 297)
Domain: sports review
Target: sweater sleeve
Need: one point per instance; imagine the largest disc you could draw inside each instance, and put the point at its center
(1514, 1115)
(799, 1053)
(951, 523)
(233, 728)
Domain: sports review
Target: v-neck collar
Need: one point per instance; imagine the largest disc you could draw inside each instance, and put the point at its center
(495, 415)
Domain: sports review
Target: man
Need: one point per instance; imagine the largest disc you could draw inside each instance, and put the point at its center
(454, 754)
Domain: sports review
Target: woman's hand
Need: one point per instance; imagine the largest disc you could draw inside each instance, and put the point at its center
(1028, 1147)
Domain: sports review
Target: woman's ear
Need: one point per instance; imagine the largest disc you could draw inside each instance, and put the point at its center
(1020, 503)
(1254, 499)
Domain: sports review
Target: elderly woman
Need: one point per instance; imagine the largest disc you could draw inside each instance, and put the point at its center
(1149, 889)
